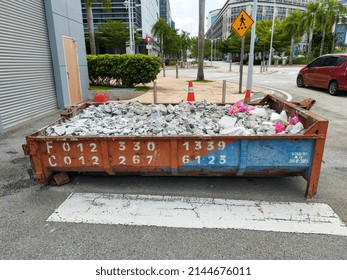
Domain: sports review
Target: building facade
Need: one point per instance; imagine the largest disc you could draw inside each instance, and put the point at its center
(150, 14)
(165, 11)
(42, 51)
(265, 11)
(145, 14)
(211, 18)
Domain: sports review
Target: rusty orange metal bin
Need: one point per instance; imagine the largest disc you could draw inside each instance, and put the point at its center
(186, 155)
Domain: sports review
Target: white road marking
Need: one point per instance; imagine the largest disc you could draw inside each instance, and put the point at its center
(288, 95)
(192, 212)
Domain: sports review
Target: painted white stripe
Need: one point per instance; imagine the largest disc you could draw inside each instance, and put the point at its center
(192, 212)
(289, 96)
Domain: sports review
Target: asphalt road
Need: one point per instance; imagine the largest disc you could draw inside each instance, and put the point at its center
(25, 207)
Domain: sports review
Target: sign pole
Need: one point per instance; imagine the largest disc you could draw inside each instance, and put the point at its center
(251, 56)
(241, 62)
(241, 25)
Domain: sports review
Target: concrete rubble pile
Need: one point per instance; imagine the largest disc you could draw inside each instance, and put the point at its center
(199, 118)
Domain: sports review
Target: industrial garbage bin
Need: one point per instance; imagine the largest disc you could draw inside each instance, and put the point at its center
(186, 155)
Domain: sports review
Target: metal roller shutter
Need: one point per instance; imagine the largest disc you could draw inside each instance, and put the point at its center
(26, 73)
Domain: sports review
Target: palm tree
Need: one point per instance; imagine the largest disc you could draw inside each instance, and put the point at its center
(338, 13)
(159, 29)
(327, 15)
(323, 21)
(88, 3)
(293, 27)
(201, 49)
(309, 19)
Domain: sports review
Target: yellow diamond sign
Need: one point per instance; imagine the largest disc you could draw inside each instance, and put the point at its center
(242, 23)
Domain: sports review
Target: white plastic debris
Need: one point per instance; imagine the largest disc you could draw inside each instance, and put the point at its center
(275, 117)
(284, 116)
(260, 112)
(227, 122)
(298, 128)
(234, 131)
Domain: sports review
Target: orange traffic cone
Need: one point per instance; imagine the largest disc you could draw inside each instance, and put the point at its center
(190, 96)
(247, 96)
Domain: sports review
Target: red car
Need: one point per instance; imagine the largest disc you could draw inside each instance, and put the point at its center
(327, 71)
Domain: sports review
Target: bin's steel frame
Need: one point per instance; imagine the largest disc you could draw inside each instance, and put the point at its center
(186, 155)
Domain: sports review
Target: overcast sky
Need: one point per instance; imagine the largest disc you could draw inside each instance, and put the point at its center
(185, 13)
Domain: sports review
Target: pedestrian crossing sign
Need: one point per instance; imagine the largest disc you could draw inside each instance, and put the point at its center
(242, 23)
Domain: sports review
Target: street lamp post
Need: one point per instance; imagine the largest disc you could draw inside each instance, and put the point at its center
(211, 51)
(127, 4)
(215, 48)
(272, 32)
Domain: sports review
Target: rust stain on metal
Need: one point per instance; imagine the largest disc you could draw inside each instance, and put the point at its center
(60, 179)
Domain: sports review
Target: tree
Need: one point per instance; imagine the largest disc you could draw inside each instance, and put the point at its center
(88, 3)
(113, 34)
(281, 39)
(317, 38)
(185, 42)
(172, 42)
(159, 29)
(201, 39)
(309, 20)
(322, 22)
(293, 27)
(194, 48)
(327, 15)
(338, 12)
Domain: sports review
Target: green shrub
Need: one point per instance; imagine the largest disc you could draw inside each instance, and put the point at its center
(122, 70)
(300, 60)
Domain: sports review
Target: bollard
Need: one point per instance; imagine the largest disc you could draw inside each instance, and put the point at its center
(164, 69)
(231, 61)
(261, 66)
(155, 92)
(176, 71)
(224, 91)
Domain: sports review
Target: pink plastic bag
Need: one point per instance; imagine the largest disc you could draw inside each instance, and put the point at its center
(279, 127)
(239, 107)
(294, 120)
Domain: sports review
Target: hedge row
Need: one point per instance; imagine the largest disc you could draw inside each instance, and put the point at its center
(296, 60)
(122, 70)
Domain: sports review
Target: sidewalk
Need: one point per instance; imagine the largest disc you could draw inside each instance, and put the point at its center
(173, 90)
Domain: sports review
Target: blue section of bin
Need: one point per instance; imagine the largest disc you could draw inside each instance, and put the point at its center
(261, 157)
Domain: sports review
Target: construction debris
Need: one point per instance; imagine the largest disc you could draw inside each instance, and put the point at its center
(198, 118)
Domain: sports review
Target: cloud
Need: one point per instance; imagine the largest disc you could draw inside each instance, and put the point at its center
(185, 13)
(188, 24)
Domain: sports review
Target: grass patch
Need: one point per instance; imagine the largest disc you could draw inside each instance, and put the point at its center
(142, 88)
(100, 87)
(202, 81)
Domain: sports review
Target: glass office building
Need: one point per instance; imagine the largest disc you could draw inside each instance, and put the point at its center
(265, 11)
